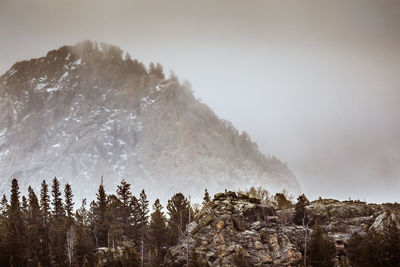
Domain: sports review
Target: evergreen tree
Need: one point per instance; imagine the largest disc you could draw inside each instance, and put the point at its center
(178, 211)
(206, 198)
(135, 221)
(115, 228)
(143, 223)
(34, 222)
(58, 210)
(16, 234)
(158, 229)
(69, 204)
(44, 230)
(100, 213)
(57, 230)
(322, 250)
(83, 245)
(124, 195)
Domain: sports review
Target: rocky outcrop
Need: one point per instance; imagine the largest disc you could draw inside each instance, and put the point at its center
(233, 228)
(236, 230)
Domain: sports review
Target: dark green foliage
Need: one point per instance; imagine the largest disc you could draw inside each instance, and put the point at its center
(84, 245)
(34, 222)
(16, 232)
(376, 249)
(321, 248)
(143, 224)
(124, 196)
(44, 228)
(58, 209)
(158, 236)
(101, 217)
(178, 211)
(57, 228)
(69, 204)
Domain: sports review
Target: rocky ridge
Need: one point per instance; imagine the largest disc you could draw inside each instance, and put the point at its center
(235, 229)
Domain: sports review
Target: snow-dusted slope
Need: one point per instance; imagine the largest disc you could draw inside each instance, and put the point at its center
(83, 112)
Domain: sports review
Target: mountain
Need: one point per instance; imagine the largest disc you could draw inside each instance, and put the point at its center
(86, 111)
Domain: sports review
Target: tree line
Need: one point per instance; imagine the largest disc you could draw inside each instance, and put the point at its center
(44, 230)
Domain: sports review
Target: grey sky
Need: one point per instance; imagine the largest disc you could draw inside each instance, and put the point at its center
(316, 83)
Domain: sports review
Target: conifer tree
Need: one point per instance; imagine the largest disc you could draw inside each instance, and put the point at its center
(206, 198)
(57, 229)
(322, 250)
(45, 225)
(158, 229)
(124, 195)
(58, 209)
(34, 222)
(69, 204)
(16, 234)
(100, 213)
(135, 221)
(178, 211)
(83, 244)
(143, 223)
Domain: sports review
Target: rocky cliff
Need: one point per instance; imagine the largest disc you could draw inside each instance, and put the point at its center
(237, 230)
(86, 111)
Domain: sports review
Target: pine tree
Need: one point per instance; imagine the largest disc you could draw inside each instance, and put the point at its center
(178, 211)
(16, 234)
(83, 244)
(34, 222)
(124, 195)
(158, 229)
(69, 204)
(322, 250)
(206, 198)
(58, 210)
(143, 223)
(135, 221)
(57, 229)
(100, 212)
(45, 225)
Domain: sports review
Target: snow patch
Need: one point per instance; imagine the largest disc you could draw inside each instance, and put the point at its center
(12, 72)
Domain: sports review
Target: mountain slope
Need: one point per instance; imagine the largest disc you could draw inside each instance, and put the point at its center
(85, 111)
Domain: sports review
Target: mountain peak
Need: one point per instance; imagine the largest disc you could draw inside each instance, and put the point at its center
(84, 111)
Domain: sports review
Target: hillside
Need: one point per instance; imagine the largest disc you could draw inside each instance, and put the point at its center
(86, 111)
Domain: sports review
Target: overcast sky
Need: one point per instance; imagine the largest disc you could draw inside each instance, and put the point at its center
(316, 83)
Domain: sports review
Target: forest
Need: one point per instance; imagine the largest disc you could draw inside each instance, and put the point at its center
(121, 230)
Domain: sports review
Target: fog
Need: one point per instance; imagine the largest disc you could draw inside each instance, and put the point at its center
(316, 83)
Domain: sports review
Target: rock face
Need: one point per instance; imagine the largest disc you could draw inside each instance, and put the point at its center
(236, 230)
(85, 111)
(232, 229)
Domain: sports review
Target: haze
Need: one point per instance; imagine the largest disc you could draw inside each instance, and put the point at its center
(315, 83)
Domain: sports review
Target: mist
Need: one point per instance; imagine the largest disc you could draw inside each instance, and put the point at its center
(315, 83)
